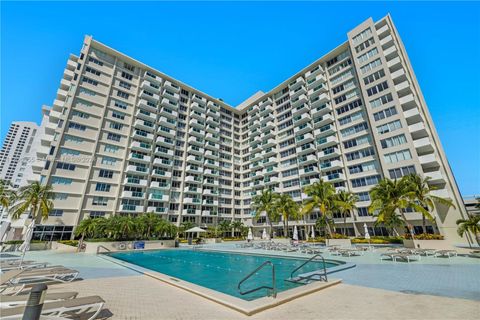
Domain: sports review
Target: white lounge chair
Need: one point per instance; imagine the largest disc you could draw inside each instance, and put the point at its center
(445, 253)
(21, 300)
(79, 307)
(17, 280)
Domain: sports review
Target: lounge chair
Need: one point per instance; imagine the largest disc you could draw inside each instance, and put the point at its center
(349, 252)
(21, 278)
(445, 253)
(425, 252)
(394, 256)
(79, 307)
(474, 254)
(17, 264)
(21, 300)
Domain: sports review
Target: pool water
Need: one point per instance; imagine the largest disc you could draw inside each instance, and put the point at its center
(221, 271)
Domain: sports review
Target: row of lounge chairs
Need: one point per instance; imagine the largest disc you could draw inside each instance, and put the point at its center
(18, 277)
(276, 246)
(408, 255)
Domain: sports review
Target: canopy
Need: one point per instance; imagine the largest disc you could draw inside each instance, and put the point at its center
(264, 234)
(250, 234)
(367, 235)
(195, 229)
(313, 232)
(295, 233)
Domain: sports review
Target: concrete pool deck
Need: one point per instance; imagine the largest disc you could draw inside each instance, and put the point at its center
(372, 290)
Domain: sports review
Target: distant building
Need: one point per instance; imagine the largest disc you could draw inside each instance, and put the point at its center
(472, 204)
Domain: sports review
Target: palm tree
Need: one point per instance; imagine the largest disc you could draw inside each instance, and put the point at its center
(421, 198)
(7, 194)
(225, 226)
(287, 208)
(146, 223)
(265, 202)
(472, 224)
(86, 228)
(391, 222)
(322, 196)
(34, 198)
(236, 226)
(321, 224)
(389, 197)
(125, 226)
(345, 203)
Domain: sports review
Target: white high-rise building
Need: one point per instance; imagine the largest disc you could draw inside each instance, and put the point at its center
(124, 138)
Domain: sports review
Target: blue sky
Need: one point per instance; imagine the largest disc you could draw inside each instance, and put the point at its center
(231, 50)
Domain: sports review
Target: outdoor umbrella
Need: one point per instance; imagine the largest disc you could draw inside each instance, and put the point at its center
(295, 233)
(367, 235)
(264, 234)
(250, 234)
(196, 230)
(313, 232)
(28, 237)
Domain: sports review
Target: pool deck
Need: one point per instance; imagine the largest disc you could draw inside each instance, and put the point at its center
(428, 289)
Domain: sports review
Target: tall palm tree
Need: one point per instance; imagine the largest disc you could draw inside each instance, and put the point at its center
(86, 228)
(147, 223)
(35, 198)
(322, 196)
(236, 226)
(321, 224)
(225, 226)
(7, 194)
(124, 226)
(265, 202)
(345, 203)
(287, 208)
(391, 222)
(472, 224)
(389, 197)
(422, 200)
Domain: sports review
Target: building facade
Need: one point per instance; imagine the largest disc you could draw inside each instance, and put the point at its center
(124, 138)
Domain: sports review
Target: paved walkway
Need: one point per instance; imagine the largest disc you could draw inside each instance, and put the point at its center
(141, 297)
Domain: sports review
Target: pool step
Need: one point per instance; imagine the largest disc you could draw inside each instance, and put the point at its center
(306, 278)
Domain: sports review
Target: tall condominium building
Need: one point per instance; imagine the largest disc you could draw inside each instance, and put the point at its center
(124, 138)
(18, 153)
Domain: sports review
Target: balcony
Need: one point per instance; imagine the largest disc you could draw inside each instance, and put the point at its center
(199, 99)
(212, 137)
(194, 201)
(135, 182)
(436, 177)
(323, 120)
(151, 77)
(192, 212)
(423, 145)
(302, 118)
(164, 152)
(335, 164)
(158, 197)
(308, 170)
(413, 116)
(212, 163)
(318, 89)
(307, 159)
(213, 105)
(166, 131)
(314, 82)
(390, 52)
(132, 194)
(269, 161)
(429, 160)
(195, 150)
(298, 101)
(210, 202)
(139, 158)
(142, 135)
(265, 102)
(313, 72)
(335, 177)
(160, 185)
(324, 131)
(418, 130)
(320, 110)
(296, 83)
(388, 39)
(158, 173)
(383, 30)
(146, 115)
(193, 179)
(136, 169)
(303, 128)
(335, 152)
(408, 102)
(144, 125)
(169, 113)
(319, 100)
(171, 86)
(167, 103)
(212, 145)
(162, 162)
(159, 210)
(196, 123)
(165, 141)
(306, 148)
(399, 75)
(395, 63)
(403, 88)
(150, 86)
(211, 182)
(196, 141)
(193, 169)
(167, 122)
(146, 94)
(195, 159)
(268, 143)
(131, 208)
(297, 92)
(210, 192)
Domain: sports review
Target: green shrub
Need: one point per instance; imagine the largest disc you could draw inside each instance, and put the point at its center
(425, 236)
(316, 239)
(233, 239)
(73, 243)
(21, 241)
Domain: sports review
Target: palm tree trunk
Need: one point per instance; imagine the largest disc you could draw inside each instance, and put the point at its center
(286, 222)
(409, 226)
(345, 223)
(424, 223)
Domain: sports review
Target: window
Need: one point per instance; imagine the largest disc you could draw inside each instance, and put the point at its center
(93, 71)
(65, 166)
(90, 81)
(354, 129)
(366, 181)
(374, 76)
(110, 148)
(356, 142)
(116, 125)
(393, 141)
(364, 45)
(362, 35)
(100, 201)
(348, 107)
(113, 136)
(385, 113)
(389, 127)
(362, 212)
(370, 66)
(363, 167)
(127, 75)
(105, 187)
(73, 139)
(122, 94)
(60, 180)
(77, 126)
(353, 117)
(109, 161)
(121, 105)
(360, 154)
(342, 76)
(397, 156)
(377, 88)
(55, 213)
(400, 172)
(105, 173)
(125, 85)
(381, 101)
(60, 196)
(364, 57)
(363, 196)
(69, 152)
(97, 214)
(96, 61)
(118, 115)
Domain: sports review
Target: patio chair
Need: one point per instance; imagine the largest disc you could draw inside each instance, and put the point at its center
(78, 307)
(424, 252)
(21, 300)
(17, 264)
(445, 253)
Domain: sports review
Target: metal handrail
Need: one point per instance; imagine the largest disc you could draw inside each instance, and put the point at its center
(273, 287)
(310, 260)
(100, 246)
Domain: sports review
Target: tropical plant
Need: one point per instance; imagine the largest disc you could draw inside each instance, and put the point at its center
(86, 228)
(389, 197)
(236, 226)
(472, 224)
(146, 224)
(184, 226)
(7, 194)
(322, 196)
(265, 202)
(321, 224)
(225, 226)
(345, 202)
(391, 222)
(35, 198)
(287, 208)
(421, 198)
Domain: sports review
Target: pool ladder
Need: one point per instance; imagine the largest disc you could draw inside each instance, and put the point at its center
(308, 276)
(272, 289)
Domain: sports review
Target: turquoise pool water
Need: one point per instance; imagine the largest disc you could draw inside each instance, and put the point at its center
(221, 271)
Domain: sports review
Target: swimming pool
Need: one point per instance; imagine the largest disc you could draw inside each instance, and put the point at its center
(221, 271)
